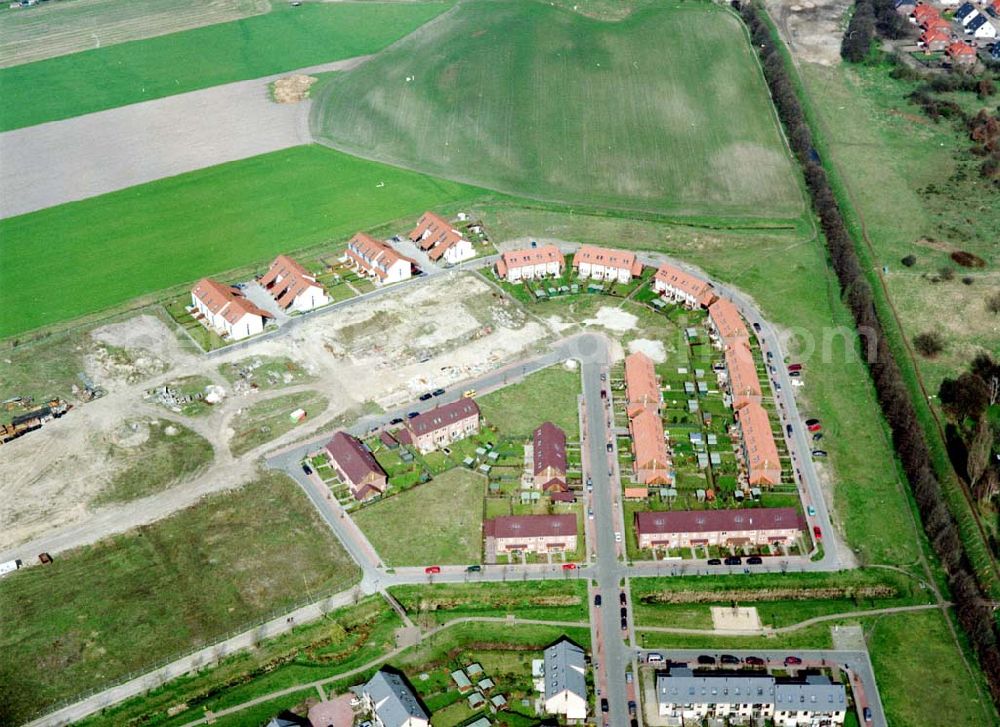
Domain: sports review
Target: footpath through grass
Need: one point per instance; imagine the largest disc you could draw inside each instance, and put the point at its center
(122, 605)
(285, 39)
(436, 523)
(174, 231)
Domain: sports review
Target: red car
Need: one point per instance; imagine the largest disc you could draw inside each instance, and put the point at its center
(815, 427)
(817, 532)
(432, 569)
(569, 566)
(794, 367)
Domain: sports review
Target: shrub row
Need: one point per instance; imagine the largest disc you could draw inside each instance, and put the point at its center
(973, 610)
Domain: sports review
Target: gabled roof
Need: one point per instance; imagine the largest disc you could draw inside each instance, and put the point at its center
(978, 22)
(743, 379)
(374, 255)
(607, 257)
(727, 320)
(934, 35)
(642, 388)
(924, 12)
(689, 284)
(353, 458)
(442, 416)
(958, 49)
(965, 10)
(549, 443)
(225, 300)
(394, 702)
(646, 429)
(531, 526)
(434, 234)
(758, 441)
(565, 670)
(529, 256)
(710, 521)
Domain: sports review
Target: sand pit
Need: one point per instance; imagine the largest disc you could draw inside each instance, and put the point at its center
(292, 89)
(735, 619)
(654, 349)
(614, 319)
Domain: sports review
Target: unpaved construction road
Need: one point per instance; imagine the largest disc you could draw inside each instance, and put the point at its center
(64, 161)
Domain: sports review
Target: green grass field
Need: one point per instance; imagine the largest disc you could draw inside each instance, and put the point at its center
(664, 111)
(269, 419)
(284, 39)
(102, 611)
(546, 395)
(449, 529)
(177, 230)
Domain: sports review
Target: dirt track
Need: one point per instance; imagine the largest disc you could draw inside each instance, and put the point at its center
(86, 156)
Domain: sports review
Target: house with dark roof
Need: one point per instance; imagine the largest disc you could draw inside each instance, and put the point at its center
(549, 458)
(724, 528)
(531, 533)
(565, 680)
(966, 13)
(292, 286)
(435, 236)
(392, 703)
(226, 310)
(904, 7)
(356, 466)
(981, 27)
(444, 424)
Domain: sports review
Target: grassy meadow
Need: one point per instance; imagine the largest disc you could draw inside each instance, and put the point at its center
(547, 395)
(176, 230)
(536, 100)
(124, 603)
(285, 39)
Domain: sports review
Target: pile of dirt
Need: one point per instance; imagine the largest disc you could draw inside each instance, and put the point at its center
(292, 89)
(967, 259)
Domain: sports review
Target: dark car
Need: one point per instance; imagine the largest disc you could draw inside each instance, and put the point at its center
(714, 561)
(754, 560)
(597, 600)
(729, 659)
(604, 705)
(622, 599)
(412, 414)
(788, 428)
(754, 661)
(473, 569)
(792, 661)
(624, 612)
(756, 326)
(868, 714)
(810, 422)
(306, 468)
(609, 446)
(604, 377)
(437, 392)
(425, 397)
(624, 624)
(817, 436)
(397, 420)
(734, 560)
(819, 453)
(795, 374)
(706, 660)
(631, 709)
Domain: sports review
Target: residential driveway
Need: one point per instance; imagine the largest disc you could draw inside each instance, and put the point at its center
(63, 161)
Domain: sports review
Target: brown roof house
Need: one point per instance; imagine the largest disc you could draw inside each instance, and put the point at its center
(378, 260)
(530, 263)
(760, 453)
(225, 309)
(682, 529)
(444, 424)
(356, 466)
(727, 322)
(649, 448)
(531, 533)
(549, 453)
(292, 286)
(602, 263)
(435, 236)
(741, 375)
(675, 284)
(642, 385)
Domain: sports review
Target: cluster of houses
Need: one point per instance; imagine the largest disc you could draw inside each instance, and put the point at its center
(596, 263)
(643, 399)
(693, 697)
(436, 236)
(357, 467)
(753, 528)
(939, 34)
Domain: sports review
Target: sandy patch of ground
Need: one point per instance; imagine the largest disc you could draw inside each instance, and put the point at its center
(813, 29)
(614, 319)
(292, 89)
(735, 619)
(654, 349)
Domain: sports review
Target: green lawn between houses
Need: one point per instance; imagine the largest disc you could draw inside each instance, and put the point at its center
(284, 39)
(102, 611)
(518, 409)
(437, 523)
(174, 231)
(631, 114)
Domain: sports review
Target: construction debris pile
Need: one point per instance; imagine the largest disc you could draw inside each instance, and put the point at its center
(292, 89)
(172, 398)
(32, 420)
(246, 374)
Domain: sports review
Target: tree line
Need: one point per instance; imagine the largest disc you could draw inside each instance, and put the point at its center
(971, 607)
(870, 19)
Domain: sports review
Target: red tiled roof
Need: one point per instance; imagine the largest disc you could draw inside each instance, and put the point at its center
(744, 384)
(549, 448)
(529, 256)
(727, 320)
(711, 521)
(924, 12)
(608, 258)
(934, 35)
(442, 416)
(374, 255)
(530, 526)
(692, 285)
(636, 493)
(225, 300)
(958, 49)
(440, 235)
(758, 443)
(642, 388)
(286, 279)
(940, 25)
(651, 461)
(353, 458)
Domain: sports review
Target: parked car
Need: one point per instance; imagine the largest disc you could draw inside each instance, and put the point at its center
(794, 367)
(817, 532)
(754, 661)
(569, 566)
(756, 326)
(590, 513)
(469, 394)
(733, 560)
(597, 600)
(628, 677)
(770, 355)
(604, 393)
(817, 436)
(819, 453)
(792, 661)
(810, 422)
(473, 569)
(412, 414)
(44, 558)
(437, 392)
(754, 560)
(431, 569)
(654, 658)
(814, 427)
(623, 612)
(604, 705)
(622, 598)
(306, 468)
(811, 511)
(397, 420)
(706, 660)
(618, 537)
(425, 397)
(714, 561)
(868, 714)
(609, 446)
(729, 659)
(795, 374)
(624, 623)
(590, 484)
(631, 708)
(788, 428)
